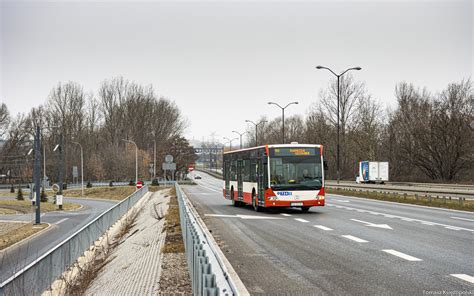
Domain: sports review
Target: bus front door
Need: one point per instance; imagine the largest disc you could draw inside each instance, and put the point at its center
(227, 178)
(262, 178)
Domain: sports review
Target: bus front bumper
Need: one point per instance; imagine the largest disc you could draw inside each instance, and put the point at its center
(295, 203)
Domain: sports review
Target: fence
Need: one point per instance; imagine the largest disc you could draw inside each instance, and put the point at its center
(209, 275)
(40, 274)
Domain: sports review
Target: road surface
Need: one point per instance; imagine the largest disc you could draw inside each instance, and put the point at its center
(63, 224)
(352, 246)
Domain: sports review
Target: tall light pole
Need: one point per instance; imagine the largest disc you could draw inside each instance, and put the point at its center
(282, 116)
(230, 142)
(240, 134)
(154, 159)
(338, 103)
(136, 159)
(256, 129)
(82, 168)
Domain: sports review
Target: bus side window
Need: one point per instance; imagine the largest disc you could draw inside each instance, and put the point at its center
(253, 170)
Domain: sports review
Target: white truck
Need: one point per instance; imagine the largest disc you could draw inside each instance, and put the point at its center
(372, 172)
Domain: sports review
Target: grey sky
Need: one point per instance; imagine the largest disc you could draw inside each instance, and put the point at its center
(221, 62)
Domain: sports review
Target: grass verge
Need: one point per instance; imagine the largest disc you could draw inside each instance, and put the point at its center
(423, 200)
(25, 207)
(174, 237)
(114, 192)
(13, 232)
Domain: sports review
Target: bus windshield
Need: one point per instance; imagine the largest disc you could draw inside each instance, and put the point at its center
(296, 172)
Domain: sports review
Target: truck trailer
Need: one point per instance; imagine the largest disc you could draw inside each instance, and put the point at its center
(372, 172)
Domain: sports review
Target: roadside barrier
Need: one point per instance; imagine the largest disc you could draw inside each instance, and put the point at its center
(38, 276)
(208, 272)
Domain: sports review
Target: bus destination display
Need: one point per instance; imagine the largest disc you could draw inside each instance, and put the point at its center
(294, 151)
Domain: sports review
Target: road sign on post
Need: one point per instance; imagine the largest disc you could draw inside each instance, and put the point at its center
(139, 184)
(169, 158)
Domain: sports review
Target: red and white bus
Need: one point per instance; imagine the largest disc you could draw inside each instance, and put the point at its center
(289, 175)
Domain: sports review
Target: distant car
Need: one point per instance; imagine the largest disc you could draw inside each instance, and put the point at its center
(197, 177)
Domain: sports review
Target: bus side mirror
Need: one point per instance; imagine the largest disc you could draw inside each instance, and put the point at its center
(325, 164)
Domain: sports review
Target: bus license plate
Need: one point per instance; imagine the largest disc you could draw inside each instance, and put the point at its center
(296, 204)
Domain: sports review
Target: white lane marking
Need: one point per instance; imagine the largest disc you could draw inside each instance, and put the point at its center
(338, 200)
(427, 223)
(61, 221)
(412, 220)
(245, 217)
(301, 220)
(384, 226)
(209, 188)
(459, 218)
(356, 239)
(322, 227)
(286, 215)
(42, 214)
(464, 277)
(452, 228)
(402, 255)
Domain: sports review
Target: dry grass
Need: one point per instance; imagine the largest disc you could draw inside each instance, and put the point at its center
(101, 257)
(13, 232)
(114, 192)
(174, 237)
(24, 206)
(439, 202)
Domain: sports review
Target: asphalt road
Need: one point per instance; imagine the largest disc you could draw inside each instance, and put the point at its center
(352, 246)
(63, 224)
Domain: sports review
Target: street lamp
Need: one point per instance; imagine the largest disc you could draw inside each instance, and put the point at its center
(82, 168)
(136, 159)
(240, 134)
(256, 129)
(338, 95)
(230, 142)
(283, 116)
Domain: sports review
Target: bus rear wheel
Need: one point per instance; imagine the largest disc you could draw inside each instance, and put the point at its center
(235, 203)
(305, 209)
(255, 205)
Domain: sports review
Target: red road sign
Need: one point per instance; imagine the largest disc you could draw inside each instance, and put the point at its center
(139, 184)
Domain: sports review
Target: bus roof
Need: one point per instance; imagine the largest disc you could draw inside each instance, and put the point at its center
(275, 146)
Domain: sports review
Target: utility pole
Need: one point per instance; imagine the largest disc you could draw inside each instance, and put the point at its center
(61, 168)
(82, 168)
(37, 174)
(154, 159)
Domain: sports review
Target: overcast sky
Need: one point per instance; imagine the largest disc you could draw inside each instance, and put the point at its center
(221, 62)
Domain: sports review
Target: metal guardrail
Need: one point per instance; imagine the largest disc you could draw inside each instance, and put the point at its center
(208, 273)
(38, 276)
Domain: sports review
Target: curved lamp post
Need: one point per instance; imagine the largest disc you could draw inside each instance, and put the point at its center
(282, 116)
(136, 159)
(256, 129)
(338, 95)
(240, 134)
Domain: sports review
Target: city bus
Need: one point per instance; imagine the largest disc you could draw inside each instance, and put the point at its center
(283, 175)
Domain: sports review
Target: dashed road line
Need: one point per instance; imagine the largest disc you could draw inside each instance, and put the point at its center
(301, 220)
(354, 238)
(286, 215)
(464, 277)
(465, 219)
(61, 221)
(402, 255)
(451, 227)
(323, 227)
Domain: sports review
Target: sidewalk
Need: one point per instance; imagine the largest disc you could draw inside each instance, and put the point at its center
(134, 265)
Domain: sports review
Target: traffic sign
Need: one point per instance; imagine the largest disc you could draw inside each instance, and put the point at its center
(55, 187)
(169, 158)
(139, 184)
